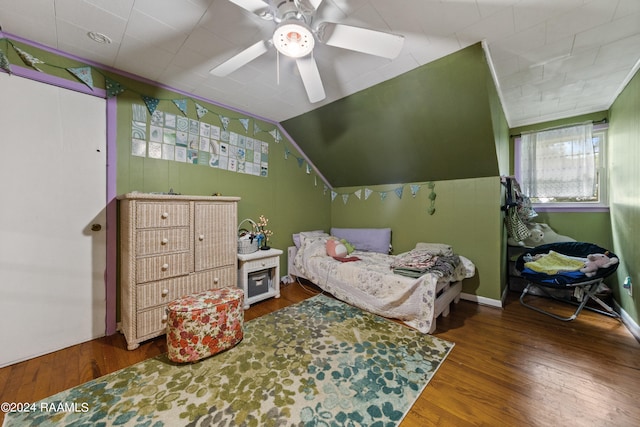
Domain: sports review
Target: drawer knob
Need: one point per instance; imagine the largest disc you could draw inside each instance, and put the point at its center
(165, 266)
(164, 317)
(165, 292)
(201, 237)
(165, 215)
(164, 241)
(264, 263)
(216, 280)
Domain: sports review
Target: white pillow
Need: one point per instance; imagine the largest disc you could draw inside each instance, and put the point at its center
(316, 233)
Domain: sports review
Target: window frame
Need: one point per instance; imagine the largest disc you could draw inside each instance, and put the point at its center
(603, 180)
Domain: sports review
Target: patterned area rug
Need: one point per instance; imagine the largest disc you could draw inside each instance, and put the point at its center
(316, 363)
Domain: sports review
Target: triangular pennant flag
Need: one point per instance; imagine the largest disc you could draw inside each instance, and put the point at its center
(308, 169)
(414, 189)
(4, 62)
(256, 128)
(275, 133)
(315, 181)
(83, 74)
(300, 161)
(286, 153)
(399, 191)
(345, 198)
(245, 124)
(367, 193)
(383, 195)
(181, 104)
(325, 189)
(333, 195)
(200, 110)
(225, 121)
(358, 193)
(113, 87)
(151, 103)
(28, 59)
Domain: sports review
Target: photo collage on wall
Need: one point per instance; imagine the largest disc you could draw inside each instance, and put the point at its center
(177, 138)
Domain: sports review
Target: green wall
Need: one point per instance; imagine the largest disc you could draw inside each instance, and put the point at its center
(431, 123)
(624, 158)
(467, 217)
(289, 197)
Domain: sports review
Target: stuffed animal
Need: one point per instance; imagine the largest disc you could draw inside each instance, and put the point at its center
(338, 248)
(541, 234)
(534, 239)
(335, 248)
(596, 261)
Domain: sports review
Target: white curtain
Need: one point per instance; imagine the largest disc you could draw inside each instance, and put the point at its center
(559, 163)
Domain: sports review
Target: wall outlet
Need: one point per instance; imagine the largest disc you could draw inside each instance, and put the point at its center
(628, 285)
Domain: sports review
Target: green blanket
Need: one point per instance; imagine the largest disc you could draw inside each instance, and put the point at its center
(553, 263)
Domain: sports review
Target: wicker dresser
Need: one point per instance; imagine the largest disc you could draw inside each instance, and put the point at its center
(171, 246)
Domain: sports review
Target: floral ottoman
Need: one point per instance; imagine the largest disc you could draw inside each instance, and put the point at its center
(203, 324)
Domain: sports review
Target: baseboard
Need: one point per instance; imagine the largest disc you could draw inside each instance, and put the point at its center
(631, 324)
(481, 300)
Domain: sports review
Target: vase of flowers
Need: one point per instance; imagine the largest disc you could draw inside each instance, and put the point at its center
(265, 233)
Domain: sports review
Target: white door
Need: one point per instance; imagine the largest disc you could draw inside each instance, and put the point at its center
(52, 193)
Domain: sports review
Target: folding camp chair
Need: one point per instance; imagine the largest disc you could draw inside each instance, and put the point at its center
(587, 287)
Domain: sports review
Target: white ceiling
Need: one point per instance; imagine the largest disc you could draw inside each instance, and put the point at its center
(552, 58)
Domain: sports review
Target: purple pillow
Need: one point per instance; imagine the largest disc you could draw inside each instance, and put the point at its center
(366, 239)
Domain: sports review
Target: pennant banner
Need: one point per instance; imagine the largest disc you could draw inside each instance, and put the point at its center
(358, 193)
(276, 135)
(83, 74)
(367, 193)
(151, 103)
(181, 104)
(200, 110)
(345, 198)
(399, 191)
(31, 61)
(333, 195)
(4, 62)
(245, 124)
(113, 87)
(225, 121)
(414, 189)
(300, 161)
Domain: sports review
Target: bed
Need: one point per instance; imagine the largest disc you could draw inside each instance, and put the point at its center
(370, 282)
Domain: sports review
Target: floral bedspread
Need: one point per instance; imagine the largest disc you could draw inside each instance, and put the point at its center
(371, 285)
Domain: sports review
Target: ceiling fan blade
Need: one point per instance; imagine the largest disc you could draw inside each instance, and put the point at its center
(364, 40)
(307, 6)
(244, 57)
(258, 7)
(311, 78)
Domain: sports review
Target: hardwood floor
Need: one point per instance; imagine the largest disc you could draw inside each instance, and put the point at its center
(511, 367)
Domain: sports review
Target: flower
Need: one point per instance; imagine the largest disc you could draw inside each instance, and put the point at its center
(262, 224)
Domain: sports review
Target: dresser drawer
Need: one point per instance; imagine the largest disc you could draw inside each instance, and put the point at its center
(260, 264)
(162, 267)
(162, 292)
(154, 215)
(164, 240)
(151, 322)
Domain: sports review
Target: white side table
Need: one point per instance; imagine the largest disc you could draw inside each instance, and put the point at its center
(259, 275)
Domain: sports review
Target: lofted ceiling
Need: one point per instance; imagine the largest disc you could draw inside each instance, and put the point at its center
(552, 58)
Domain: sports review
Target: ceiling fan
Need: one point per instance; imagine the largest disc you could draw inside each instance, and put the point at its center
(295, 37)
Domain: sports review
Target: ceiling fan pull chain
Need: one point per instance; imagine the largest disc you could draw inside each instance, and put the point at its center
(277, 68)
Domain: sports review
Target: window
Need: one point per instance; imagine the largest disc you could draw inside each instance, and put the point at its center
(563, 167)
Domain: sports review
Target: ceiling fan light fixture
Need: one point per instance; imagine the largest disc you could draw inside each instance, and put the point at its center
(293, 39)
